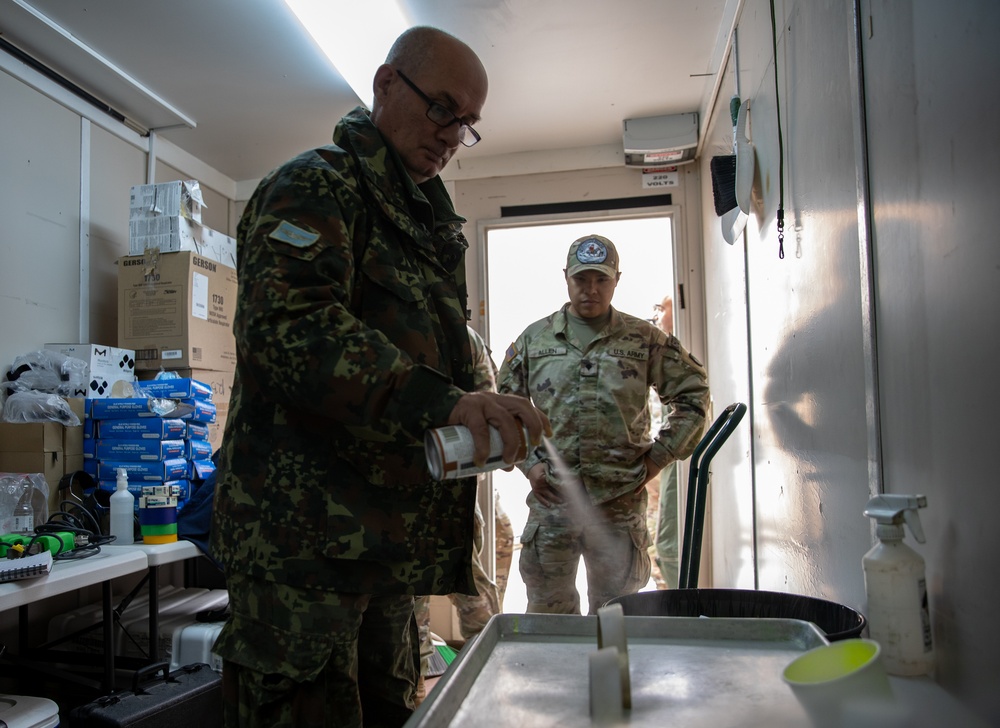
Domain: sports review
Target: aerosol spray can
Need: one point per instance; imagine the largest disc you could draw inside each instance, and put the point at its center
(449, 452)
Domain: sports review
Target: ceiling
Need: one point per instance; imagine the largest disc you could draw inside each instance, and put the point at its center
(564, 74)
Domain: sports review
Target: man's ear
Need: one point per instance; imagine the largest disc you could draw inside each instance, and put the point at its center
(383, 79)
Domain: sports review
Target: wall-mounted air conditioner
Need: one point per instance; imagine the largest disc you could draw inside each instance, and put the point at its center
(657, 141)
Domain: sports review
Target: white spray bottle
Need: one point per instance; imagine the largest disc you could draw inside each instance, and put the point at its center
(122, 511)
(898, 614)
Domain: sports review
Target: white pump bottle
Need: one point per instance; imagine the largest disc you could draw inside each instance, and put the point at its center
(898, 613)
(122, 520)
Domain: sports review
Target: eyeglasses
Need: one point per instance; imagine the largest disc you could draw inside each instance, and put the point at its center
(442, 116)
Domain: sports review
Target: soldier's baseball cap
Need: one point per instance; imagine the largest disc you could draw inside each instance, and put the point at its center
(592, 252)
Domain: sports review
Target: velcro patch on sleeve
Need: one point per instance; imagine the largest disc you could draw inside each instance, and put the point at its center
(293, 235)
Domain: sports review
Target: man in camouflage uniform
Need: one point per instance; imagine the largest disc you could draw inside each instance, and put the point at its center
(590, 368)
(351, 342)
(474, 611)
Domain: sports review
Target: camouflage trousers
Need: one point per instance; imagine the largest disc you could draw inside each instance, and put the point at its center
(504, 546)
(663, 522)
(313, 659)
(474, 611)
(612, 539)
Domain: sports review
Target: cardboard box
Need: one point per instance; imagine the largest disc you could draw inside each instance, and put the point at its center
(106, 365)
(142, 429)
(178, 198)
(218, 428)
(154, 450)
(200, 411)
(221, 383)
(176, 310)
(73, 440)
(174, 469)
(175, 234)
(48, 448)
(122, 408)
(33, 437)
(221, 245)
(176, 388)
(198, 449)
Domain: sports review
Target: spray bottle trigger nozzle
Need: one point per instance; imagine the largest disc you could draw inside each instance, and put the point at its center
(912, 519)
(895, 509)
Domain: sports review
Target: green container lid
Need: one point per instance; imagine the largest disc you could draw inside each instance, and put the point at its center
(166, 529)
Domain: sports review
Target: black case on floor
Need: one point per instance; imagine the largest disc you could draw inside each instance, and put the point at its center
(188, 696)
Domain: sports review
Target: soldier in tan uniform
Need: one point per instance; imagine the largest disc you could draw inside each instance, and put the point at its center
(590, 369)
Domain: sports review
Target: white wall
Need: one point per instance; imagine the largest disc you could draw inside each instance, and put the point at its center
(40, 210)
(805, 320)
(68, 173)
(931, 73)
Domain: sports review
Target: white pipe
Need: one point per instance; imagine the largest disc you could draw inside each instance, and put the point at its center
(84, 247)
(77, 43)
(151, 159)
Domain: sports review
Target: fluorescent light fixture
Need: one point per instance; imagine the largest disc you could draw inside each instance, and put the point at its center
(355, 35)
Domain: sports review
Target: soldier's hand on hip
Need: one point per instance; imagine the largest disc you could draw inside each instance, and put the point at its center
(544, 491)
(652, 470)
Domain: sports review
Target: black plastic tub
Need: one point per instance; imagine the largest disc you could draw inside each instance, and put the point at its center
(837, 621)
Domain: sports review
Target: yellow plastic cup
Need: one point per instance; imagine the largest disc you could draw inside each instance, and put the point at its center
(841, 679)
(170, 538)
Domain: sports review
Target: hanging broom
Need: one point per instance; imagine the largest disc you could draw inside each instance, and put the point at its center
(723, 170)
(441, 656)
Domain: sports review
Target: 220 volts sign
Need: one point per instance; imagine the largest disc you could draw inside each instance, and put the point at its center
(660, 178)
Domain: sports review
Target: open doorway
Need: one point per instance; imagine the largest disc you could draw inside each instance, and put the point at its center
(523, 282)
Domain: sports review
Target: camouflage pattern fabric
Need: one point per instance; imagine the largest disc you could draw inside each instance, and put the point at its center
(596, 398)
(299, 664)
(652, 517)
(351, 341)
(484, 371)
(504, 546)
(666, 536)
(474, 611)
(612, 539)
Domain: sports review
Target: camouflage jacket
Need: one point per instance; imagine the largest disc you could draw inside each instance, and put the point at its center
(351, 341)
(597, 398)
(484, 371)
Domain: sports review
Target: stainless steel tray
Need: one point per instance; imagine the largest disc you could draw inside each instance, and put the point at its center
(532, 671)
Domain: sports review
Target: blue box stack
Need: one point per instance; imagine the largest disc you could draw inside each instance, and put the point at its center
(159, 436)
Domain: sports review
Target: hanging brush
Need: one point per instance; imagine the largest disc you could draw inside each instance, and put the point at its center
(723, 170)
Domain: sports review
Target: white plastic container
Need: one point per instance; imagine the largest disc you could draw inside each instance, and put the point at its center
(122, 521)
(898, 613)
(181, 610)
(24, 515)
(22, 711)
(193, 643)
